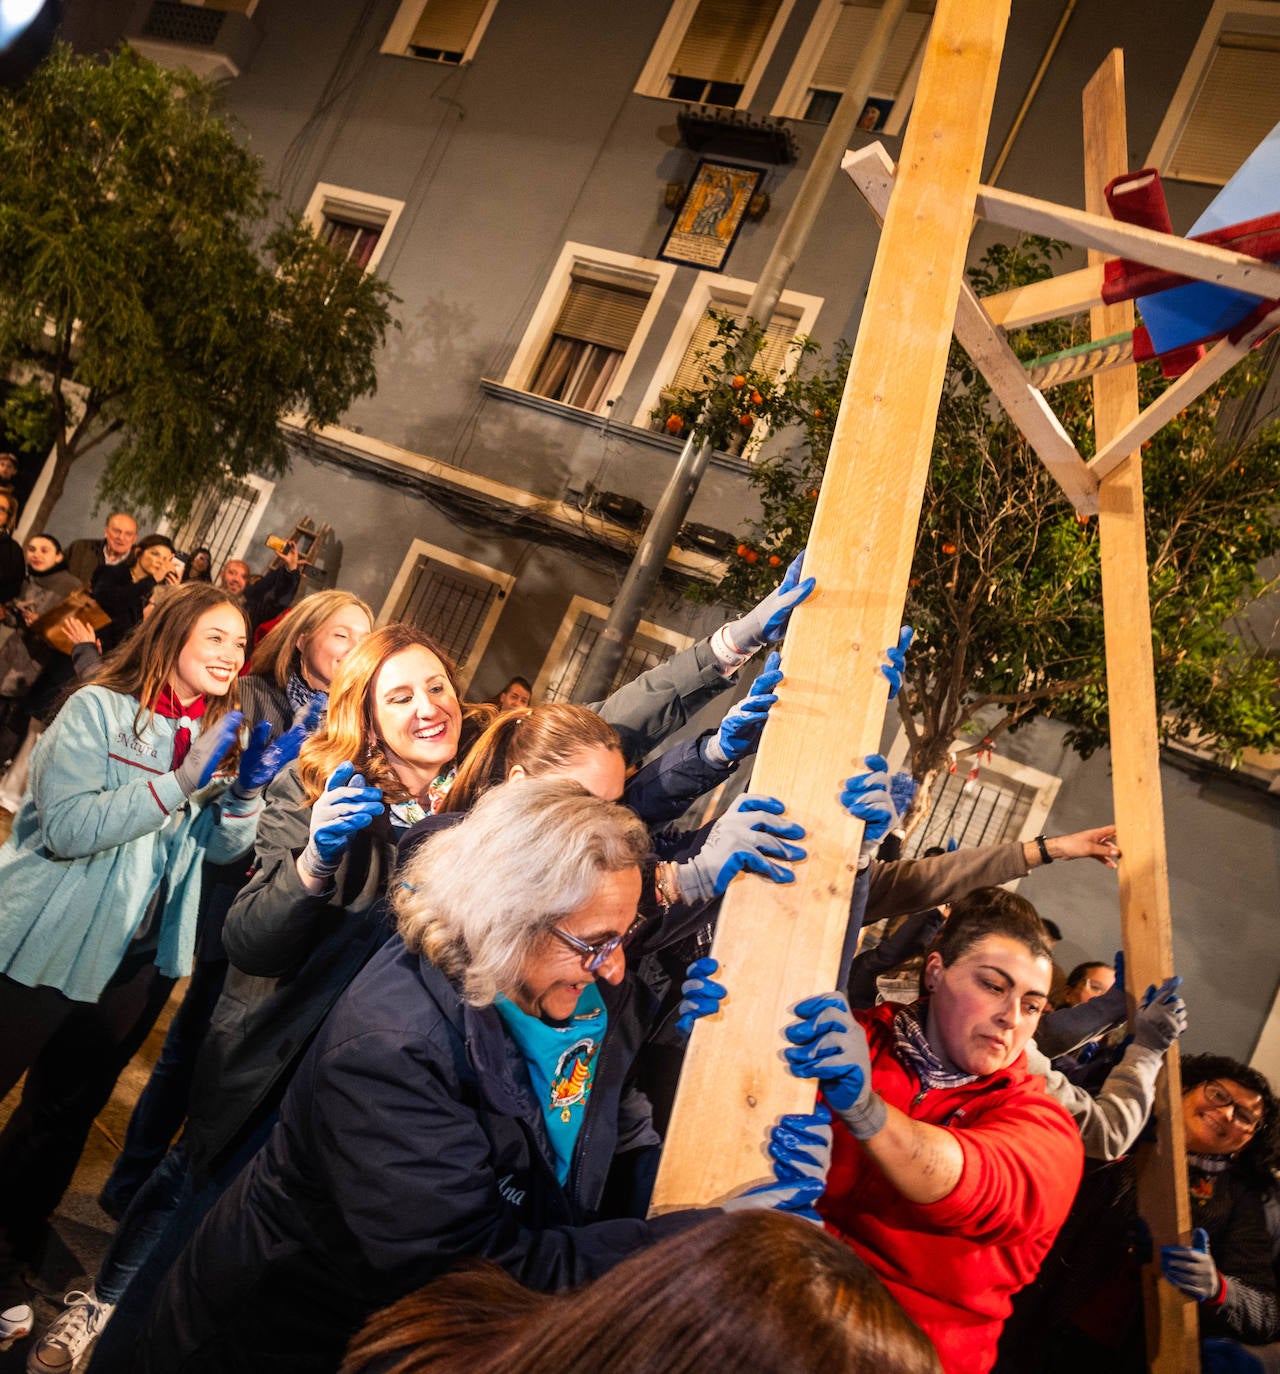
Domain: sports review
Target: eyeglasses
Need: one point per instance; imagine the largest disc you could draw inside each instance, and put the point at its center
(595, 955)
(1217, 1096)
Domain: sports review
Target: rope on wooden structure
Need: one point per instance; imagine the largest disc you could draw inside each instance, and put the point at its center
(1077, 363)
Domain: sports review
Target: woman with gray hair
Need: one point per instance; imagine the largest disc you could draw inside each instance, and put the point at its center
(468, 1098)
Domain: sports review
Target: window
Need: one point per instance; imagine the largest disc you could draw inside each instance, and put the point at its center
(1228, 100)
(1007, 801)
(830, 51)
(222, 523)
(438, 30)
(713, 52)
(588, 327)
(579, 630)
(455, 600)
(679, 365)
(353, 223)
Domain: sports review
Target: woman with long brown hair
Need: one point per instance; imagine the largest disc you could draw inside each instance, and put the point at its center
(756, 1289)
(102, 872)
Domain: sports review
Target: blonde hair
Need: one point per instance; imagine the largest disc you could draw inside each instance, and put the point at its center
(144, 661)
(278, 654)
(349, 731)
(477, 899)
(538, 739)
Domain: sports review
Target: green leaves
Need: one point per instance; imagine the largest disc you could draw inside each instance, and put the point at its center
(1005, 589)
(137, 260)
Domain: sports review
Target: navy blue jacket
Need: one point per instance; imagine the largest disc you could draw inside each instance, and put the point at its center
(409, 1140)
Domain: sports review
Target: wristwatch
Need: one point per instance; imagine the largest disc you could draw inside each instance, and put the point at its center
(1045, 856)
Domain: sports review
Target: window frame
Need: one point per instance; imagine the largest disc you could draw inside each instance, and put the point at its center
(537, 334)
(793, 97)
(709, 289)
(654, 77)
(400, 30)
(558, 649)
(502, 580)
(380, 208)
(264, 490)
(1225, 15)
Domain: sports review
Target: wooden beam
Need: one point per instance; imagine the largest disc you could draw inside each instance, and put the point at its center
(779, 944)
(1163, 1199)
(872, 172)
(1218, 360)
(1069, 293)
(1222, 266)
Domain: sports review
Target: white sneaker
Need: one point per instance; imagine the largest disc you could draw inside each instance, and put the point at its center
(59, 1350)
(15, 1323)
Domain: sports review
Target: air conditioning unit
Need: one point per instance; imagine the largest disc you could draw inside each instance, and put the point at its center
(706, 539)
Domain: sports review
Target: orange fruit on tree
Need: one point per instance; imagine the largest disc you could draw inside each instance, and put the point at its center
(674, 424)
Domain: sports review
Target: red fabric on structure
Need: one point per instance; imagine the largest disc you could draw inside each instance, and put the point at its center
(955, 1264)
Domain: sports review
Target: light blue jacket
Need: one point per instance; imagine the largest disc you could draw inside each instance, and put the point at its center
(104, 820)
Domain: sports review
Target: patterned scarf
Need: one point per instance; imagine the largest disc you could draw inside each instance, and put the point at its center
(913, 1049)
(411, 812)
(168, 706)
(301, 697)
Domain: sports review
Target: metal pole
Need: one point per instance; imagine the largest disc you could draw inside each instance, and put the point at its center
(673, 506)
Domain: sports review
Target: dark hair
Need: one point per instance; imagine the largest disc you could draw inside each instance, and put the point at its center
(152, 541)
(517, 681)
(1257, 1163)
(1054, 929)
(43, 535)
(991, 911)
(190, 575)
(1081, 970)
(756, 1289)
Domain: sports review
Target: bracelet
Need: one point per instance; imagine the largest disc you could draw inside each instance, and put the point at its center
(1045, 856)
(727, 654)
(665, 885)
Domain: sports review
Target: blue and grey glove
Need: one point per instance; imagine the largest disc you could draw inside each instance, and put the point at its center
(867, 796)
(766, 623)
(897, 664)
(739, 731)
(741, 841)
(261, 761)
(207, 751)
(800, 1146)
(1191, 1270)
(345, 806)
(1161, 1018)
(829, 1045)
(700, 995)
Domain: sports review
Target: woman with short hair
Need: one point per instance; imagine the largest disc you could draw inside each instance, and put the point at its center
(952, 1170)
(467, 1098)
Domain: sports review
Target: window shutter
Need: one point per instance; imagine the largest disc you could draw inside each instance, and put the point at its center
(777, 338)
(447, 25)
(724, 39)
(1236, 107)
(849, 37)
(600, 312)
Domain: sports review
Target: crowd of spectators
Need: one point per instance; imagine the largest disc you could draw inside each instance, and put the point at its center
(445, 959)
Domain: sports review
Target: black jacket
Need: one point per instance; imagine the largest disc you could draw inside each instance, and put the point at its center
(409, 1140)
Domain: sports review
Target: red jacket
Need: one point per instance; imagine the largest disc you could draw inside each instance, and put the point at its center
(955, 1264)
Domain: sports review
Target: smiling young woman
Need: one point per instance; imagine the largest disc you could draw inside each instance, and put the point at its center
(102, 874)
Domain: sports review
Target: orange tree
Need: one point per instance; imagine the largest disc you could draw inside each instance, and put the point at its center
(1005, 588)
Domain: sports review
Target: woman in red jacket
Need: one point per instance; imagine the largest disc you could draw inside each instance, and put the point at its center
(951, 1168)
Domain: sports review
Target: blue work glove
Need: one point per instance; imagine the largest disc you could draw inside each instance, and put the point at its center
(867, 796)
(701, 995)
(741, 841)
(829, 1045)
(260, 761)
(897, 664)
(345, 806)
(1190, 1268)
(767, 622)
(902, 791)
(800, 1146)
(207, 751)
(1161, 1018)
(1218, 1355)
(739, 731)
(1119, 966)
